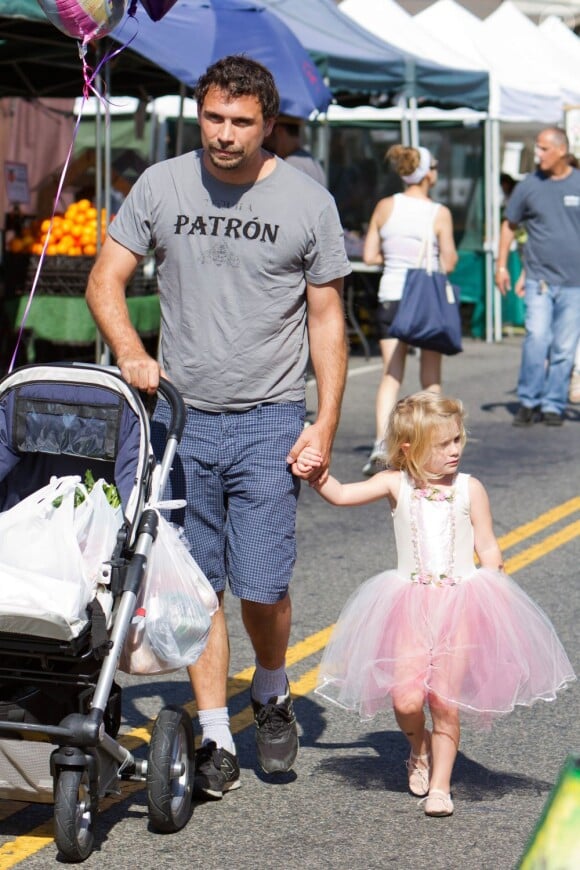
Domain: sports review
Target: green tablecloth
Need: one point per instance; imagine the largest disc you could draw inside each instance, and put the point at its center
(67, 319)
(469, 275)
(513, 309)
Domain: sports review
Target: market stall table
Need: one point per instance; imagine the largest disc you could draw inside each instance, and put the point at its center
(361, 285)
(66, 320)
(59, 313)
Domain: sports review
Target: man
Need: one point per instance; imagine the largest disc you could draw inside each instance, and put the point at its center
(547, 203)
(250, 262)
(284, 141)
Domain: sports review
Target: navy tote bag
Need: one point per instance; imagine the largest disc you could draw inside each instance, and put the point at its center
(428, 315)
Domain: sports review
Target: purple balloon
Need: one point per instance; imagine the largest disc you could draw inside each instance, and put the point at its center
(156, 9)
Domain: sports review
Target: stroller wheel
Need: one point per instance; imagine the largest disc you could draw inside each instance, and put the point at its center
(170, 769)
(73, 815)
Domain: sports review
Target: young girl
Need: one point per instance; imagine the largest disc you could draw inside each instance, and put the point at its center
(436, 630)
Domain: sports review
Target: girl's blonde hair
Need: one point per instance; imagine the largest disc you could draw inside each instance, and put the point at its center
(413, 425)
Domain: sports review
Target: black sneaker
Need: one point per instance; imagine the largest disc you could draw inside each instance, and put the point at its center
(524, 416)
(276, 734)
(550, 418)
(216, 772)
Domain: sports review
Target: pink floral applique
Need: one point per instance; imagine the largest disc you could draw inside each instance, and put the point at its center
(426, 579)
(432, 493)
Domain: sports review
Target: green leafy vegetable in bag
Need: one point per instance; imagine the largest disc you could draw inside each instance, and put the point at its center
(110, 490)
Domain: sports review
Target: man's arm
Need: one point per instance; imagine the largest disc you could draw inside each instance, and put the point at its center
(506, 237)
(105, 297)
(329, 355)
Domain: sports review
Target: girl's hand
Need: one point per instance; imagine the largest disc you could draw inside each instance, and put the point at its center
(308, 459)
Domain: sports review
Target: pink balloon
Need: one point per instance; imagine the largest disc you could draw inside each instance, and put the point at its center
(84, 19)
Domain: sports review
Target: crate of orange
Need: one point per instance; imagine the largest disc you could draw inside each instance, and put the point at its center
(69, 256)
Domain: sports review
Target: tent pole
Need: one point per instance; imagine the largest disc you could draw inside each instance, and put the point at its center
(495, 162)
(488, 242)
(98, 179)
(405, 139)
(180, 121)
(414, 122)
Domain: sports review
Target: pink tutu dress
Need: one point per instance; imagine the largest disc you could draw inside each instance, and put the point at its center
(440, 626)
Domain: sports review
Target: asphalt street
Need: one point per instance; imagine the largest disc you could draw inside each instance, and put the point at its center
(346, 805)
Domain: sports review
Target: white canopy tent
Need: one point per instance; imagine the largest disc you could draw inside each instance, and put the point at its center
(519, 89)
(564, 41)
(519, 55)
(531, 81)
(567, 44)
(391, 23)
(389, 20)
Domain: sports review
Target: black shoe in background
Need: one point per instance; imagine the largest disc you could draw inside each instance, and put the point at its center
(524, 416)
(550, 418)
(216, 772)
(276, 734)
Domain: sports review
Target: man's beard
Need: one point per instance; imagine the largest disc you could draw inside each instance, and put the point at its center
(232, 162)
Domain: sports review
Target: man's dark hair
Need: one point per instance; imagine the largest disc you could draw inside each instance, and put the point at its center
(240, 76)
(293, 127)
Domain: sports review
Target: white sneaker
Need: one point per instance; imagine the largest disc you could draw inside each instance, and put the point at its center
(377, 460)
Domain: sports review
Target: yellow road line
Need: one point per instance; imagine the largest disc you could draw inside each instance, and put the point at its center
(536, 551)
(547, 519)
(24, 846)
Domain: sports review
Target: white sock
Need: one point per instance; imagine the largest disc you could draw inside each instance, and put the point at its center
(269, 684)
(215, 725)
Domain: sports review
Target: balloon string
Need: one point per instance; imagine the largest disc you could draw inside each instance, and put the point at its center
(89, 76)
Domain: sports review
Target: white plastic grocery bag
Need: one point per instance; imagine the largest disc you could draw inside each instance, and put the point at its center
(51, 550)
(96, 525)
(174, 609)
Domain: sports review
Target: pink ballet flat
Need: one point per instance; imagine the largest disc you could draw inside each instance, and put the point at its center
(419, 776)
(437, 803)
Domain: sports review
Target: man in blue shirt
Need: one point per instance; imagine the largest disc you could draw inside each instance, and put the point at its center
(547, 203)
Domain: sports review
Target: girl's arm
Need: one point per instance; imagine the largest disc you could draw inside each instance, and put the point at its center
(372, 252)
(385, 484)
(486, 545)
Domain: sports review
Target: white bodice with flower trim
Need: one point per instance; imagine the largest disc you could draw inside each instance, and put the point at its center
(434, 533)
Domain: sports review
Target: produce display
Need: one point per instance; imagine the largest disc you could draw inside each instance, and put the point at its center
(73, 234)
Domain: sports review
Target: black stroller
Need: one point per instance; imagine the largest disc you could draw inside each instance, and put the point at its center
(60, 707)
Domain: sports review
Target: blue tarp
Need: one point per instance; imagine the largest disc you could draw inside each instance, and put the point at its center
(195, 33)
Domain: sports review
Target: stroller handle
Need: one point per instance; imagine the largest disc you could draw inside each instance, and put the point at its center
(177, 405)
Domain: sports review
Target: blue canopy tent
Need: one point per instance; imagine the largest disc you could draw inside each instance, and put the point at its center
(220, 27)
(37, 60)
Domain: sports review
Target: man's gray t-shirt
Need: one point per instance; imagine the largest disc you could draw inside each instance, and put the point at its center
(232, 266)
(550, 211)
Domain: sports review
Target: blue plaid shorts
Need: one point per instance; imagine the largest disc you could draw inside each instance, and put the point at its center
(240, 519)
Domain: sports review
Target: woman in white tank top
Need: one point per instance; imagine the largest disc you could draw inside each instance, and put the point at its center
(397, 228)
